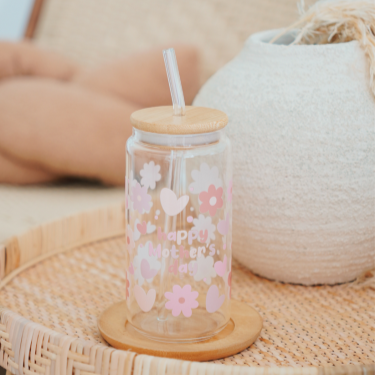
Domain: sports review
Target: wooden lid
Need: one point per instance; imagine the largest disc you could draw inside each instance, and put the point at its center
(197, 120)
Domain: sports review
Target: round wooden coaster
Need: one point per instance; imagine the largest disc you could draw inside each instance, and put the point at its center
(242, 330)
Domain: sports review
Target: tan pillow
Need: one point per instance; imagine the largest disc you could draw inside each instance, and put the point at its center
(141, 78)
(58, 120)
(64, 128)
(24, 59)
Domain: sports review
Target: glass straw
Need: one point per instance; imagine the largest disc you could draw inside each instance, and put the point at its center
(174, 81)
(176, 176)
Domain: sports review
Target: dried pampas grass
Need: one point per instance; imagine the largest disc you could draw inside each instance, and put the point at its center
(338, 21)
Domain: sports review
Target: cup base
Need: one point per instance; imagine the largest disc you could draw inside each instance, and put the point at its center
(179, 330)
(169, 340)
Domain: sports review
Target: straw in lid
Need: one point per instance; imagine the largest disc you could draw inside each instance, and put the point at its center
(177, 119)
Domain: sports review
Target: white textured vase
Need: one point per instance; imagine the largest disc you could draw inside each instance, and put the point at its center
(302, 124)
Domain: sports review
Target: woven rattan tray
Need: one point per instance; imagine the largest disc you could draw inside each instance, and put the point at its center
(58, 278)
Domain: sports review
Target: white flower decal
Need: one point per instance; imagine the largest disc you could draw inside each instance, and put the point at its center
(203, 223)
(203, 178)
(150, 175)
(206, 269)
(142, 202)
(142, 253)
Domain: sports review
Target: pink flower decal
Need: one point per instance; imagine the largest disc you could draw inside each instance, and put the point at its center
(229, 191)
(211, 200)
(130, 239)
(141, 200)
(182, 299)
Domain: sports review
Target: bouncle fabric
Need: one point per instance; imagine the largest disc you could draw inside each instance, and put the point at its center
(58, 278)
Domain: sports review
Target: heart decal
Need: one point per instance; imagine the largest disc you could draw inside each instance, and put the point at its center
(142, 228)
(171, 205)
(131, 269)
(220, 267)
(146, 271)
(145, 301)
(223, 226)
(150, 227)
(213, 300)
(136, 233)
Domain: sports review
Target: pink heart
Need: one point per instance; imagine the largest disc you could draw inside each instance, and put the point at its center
(171, 205)
(142, 227)
(223, 226)
(131, 269)
(146, 271)
(220, 267)
(145, 301)
(213, 300)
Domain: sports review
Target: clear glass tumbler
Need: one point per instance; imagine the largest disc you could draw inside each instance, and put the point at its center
(179, 226)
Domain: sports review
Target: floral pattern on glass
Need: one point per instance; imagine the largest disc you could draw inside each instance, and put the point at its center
(181, 300)
(211, 200)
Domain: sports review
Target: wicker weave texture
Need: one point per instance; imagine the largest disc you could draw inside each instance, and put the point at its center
(62, 296)
(93, 31)
(54, 353)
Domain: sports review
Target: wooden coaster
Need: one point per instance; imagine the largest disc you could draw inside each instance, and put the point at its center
(242, 330)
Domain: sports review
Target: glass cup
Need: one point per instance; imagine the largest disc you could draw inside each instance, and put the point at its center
(178, 234)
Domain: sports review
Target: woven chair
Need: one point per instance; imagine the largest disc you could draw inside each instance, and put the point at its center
(92, 31)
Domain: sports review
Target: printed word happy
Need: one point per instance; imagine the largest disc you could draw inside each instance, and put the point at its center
(180, 235)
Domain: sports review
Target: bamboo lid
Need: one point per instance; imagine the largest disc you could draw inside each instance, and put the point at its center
(196, 120)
